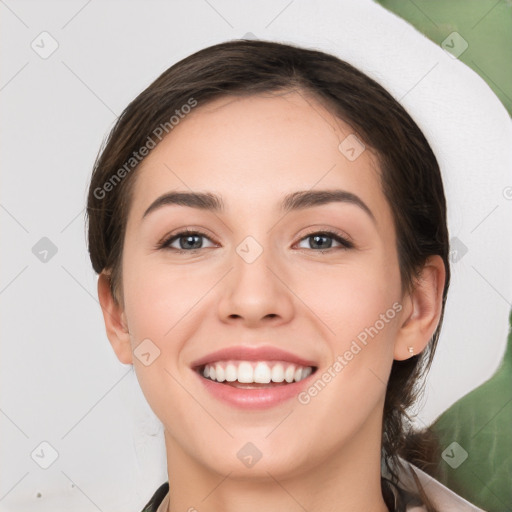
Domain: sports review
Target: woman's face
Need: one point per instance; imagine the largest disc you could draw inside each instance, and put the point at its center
(257, 278)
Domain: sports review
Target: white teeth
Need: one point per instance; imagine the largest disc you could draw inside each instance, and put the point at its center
(220, 374)
(231, 372)
(245, 372)
(306, 372)
(260, 372)
(289, 373)
(278, 373)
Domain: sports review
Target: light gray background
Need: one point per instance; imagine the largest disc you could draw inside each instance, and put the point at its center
(61, 382)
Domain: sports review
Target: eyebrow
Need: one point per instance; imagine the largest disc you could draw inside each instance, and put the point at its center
(296, 201)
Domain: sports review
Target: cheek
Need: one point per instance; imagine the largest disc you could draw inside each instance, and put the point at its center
(361, 309)
(159, 305)
(157, 298)
(349, 299)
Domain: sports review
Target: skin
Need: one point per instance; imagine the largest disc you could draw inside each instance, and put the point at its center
(321, 456)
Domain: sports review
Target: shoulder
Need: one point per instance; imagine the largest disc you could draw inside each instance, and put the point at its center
(156, 500)
(441, 497)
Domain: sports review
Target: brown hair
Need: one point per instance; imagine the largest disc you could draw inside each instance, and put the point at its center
(410, 177)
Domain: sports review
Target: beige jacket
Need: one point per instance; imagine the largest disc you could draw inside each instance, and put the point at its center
(441, 497)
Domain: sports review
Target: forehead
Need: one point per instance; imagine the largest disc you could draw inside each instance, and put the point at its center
(254, 150)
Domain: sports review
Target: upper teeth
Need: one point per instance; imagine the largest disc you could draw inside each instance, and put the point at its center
(255, 371)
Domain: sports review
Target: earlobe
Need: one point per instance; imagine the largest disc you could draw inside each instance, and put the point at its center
(423, 310)
(115, 321)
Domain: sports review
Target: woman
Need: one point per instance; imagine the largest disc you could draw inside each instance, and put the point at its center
(269, 229)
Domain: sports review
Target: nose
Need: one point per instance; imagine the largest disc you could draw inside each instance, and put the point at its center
(256, 293)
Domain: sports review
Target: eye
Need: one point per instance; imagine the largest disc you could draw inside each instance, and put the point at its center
(191, 241)
(187, 241)
(322, 240)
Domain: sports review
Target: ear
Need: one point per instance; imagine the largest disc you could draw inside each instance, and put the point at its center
(115, 321)
(422, 310)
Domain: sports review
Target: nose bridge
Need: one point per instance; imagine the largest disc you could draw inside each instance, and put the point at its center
(254, 290)
(253, 262)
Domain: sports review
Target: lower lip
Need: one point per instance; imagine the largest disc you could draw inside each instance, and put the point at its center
(258, 398)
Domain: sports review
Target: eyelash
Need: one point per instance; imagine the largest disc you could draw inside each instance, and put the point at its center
(338, 237)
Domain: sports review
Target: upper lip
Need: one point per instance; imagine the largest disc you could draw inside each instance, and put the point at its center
(246, 353)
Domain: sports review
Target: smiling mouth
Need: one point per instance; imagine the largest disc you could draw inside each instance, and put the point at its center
(253, 374)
